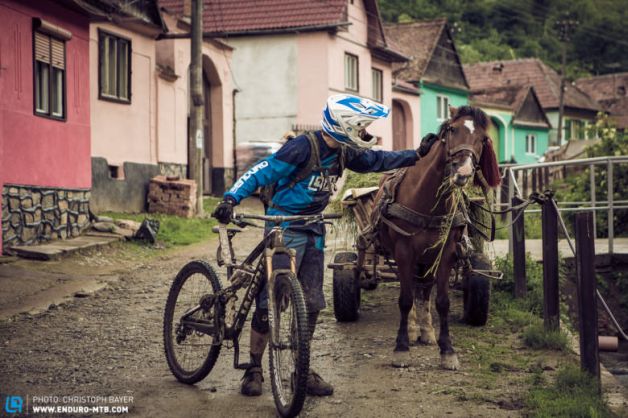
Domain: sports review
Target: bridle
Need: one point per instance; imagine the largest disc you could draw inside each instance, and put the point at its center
(451, 152)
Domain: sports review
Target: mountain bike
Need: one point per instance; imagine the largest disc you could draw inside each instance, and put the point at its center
(200, 315)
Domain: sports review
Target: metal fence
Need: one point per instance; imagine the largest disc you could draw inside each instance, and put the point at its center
(522, 179)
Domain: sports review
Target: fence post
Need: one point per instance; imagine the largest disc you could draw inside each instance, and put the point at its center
(593, 197)
(549, 224)
(505, 191)
(519, 249)
(611, 226)
(587, 299)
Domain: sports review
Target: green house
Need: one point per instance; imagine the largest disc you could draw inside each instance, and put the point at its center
(520, 127)
(434, 68)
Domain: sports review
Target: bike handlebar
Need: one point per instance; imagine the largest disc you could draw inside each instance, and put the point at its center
(287, 218)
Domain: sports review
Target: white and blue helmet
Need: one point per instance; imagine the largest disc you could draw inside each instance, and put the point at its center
(345, 116)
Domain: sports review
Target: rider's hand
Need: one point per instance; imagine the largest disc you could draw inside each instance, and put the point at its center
(426, 143)
(224, 210)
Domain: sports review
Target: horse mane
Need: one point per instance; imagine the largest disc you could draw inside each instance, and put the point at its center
(488, 159)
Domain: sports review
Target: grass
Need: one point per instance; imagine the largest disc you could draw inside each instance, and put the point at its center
(574, 393)
(175, 230)
(535, 336)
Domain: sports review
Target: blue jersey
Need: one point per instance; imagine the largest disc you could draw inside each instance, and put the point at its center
(311, 195)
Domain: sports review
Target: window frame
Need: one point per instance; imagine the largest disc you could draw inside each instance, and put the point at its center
(439, 107)
(533, 140)
(381, 84)
(106, 97)
(357, 72)
(36, 111)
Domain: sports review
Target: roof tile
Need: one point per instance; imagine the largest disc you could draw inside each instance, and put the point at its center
(546, 82)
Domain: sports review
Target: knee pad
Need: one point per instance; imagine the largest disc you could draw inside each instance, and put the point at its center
(260, 321)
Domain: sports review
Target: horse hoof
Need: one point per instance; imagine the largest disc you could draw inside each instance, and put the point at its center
(401, 359)
(427, 338)
(413, 334)
(449, 361)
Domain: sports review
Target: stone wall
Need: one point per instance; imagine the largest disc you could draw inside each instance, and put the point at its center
(32, 214)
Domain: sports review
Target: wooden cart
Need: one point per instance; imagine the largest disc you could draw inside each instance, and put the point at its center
(349, 278)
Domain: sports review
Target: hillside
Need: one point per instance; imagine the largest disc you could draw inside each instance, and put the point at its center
(489, 30)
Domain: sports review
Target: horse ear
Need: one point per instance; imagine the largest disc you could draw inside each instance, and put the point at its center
(452, 111)
(488, 165)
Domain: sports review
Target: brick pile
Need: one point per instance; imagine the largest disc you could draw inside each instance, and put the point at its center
(172, 196)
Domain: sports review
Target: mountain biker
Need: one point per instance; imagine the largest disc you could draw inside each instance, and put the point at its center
(342, 141)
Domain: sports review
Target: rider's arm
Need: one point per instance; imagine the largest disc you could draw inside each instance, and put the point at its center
(281, 164)
(367, 160)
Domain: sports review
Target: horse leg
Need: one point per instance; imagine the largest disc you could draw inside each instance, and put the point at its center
(423, 302)
(413, 325)
(448, 357)
(401, 355)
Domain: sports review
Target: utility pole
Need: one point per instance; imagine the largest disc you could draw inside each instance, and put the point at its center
(565, 28)
(195, 134)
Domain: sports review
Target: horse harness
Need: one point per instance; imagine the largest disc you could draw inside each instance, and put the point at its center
(388, 208)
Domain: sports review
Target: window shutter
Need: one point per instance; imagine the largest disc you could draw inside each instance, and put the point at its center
(42, 47)
(58, 54)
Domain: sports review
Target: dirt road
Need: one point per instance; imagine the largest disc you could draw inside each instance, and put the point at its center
(110, 344)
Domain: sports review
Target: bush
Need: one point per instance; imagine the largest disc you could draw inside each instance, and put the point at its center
(576, 187)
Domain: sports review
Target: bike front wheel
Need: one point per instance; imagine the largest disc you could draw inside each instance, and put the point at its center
(190, 324)
(289, 346)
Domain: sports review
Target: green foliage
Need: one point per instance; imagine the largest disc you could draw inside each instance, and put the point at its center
(535, 336)
(174, 230)
(573, 394)
(533, 302)
(489, 30)
(577, 187)
(532, 226)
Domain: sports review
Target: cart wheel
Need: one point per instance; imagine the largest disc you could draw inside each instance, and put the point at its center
(346, 290)
(477, 292)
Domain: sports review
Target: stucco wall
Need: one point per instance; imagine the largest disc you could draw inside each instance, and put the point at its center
(520, 143)
(265, 71)
(313, 64)
(125, 132)
(429, 120)
(501, 119)
(34, 150)
(354, 41)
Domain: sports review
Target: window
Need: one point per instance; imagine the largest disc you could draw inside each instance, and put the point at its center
(351, 72)
(442, 107)
(114, 77)
(49, 75)
(377, 81)
(531, 144)
(575, 129)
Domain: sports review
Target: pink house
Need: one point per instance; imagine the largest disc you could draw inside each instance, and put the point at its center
(45, 170)
(290, 55)
(140, 106)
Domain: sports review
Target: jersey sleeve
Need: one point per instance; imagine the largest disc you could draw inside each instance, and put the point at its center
(282, 164)
(366, 160)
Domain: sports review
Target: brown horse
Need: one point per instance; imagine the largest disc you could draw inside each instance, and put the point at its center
(463, 146)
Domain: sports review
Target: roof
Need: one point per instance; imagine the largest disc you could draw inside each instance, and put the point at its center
(222, 18)
(611, 92)
(417, 40)
(506, 97)
(546, 82)
(249, 15)
(511, 97)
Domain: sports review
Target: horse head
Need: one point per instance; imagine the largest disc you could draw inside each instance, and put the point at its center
(469, 147)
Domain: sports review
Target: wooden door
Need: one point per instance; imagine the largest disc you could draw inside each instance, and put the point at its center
(399, 126)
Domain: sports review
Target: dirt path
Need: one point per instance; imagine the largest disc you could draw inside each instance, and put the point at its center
(110, 343)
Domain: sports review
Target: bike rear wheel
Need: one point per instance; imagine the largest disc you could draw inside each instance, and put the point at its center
(191, 354)
(289, 346)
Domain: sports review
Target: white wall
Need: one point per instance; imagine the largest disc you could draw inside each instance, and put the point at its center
(265, 71)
